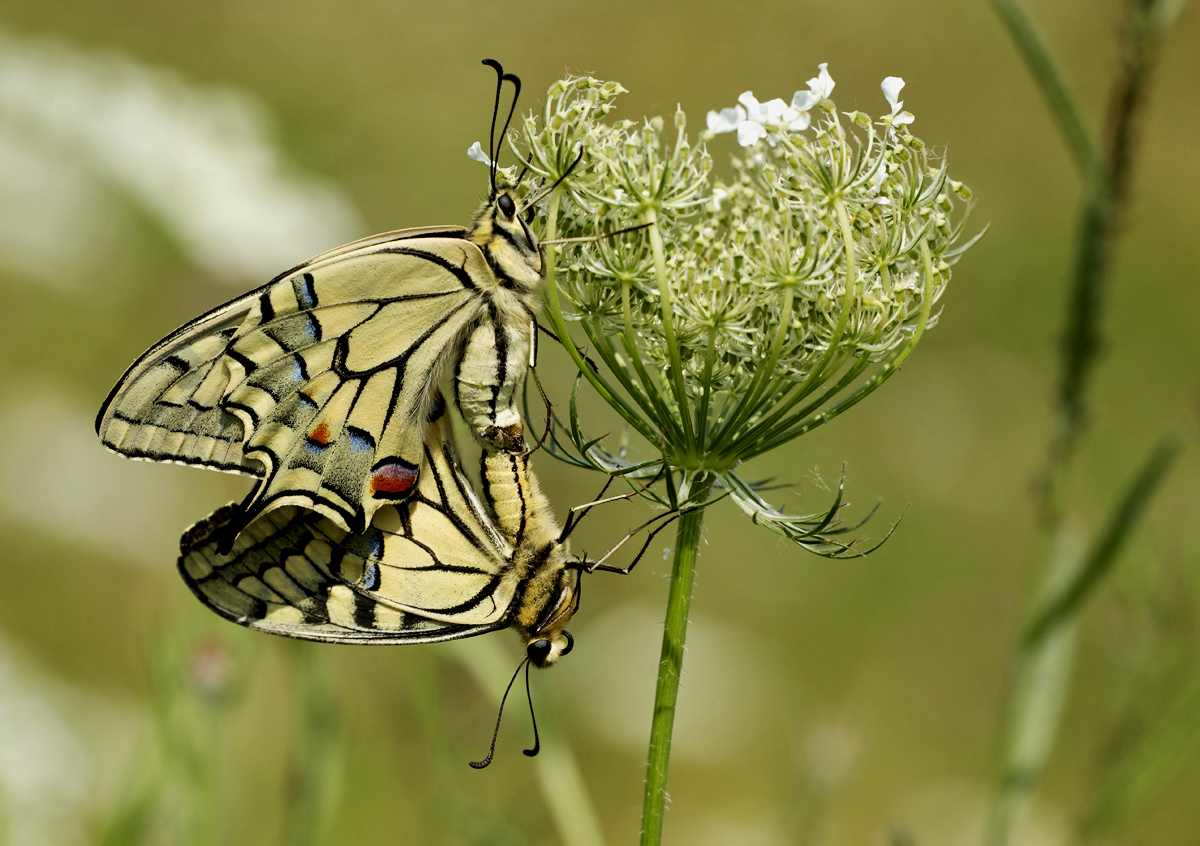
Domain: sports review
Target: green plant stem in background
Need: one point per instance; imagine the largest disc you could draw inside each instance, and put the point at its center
(670, 665)
(559, 777)
(318, 773)
(1046, 653)
(1033, 49)
(1048, 648)
(1144, 772)
(1105, 195)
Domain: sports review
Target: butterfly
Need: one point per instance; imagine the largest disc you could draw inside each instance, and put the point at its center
(441, 565)
(319, 384)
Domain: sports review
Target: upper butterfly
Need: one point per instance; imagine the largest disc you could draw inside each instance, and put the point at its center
(320, 382)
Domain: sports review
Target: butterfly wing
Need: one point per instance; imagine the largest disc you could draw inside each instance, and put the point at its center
(320, 383)
(432, 568)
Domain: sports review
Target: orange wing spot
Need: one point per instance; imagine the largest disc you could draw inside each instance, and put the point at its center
(392, 479)
(320, 435)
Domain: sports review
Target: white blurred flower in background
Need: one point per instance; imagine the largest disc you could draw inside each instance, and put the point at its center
(93, 145)
(76, 126)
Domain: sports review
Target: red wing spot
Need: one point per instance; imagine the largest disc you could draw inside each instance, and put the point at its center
(320, 435)
(392, 479)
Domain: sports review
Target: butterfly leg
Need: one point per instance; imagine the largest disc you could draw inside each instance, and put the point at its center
(549, 412)
(573, 521)
(557, 340)
(593, 566)
(576, 514)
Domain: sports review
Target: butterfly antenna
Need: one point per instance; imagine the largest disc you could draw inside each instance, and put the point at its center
(494, 65)
(479, 765)
(494, 146)
(537, 741)
(511, 110)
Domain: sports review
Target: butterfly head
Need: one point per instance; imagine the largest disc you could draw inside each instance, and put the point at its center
(550, 602)
(543, 652)
(498, 230)
(509, 245)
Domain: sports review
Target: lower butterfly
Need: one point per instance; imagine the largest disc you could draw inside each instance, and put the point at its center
(440, 566)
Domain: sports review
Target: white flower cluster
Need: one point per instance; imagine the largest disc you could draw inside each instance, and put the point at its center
(819, 255)
(754, 121)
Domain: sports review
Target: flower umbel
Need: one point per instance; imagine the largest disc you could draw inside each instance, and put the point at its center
(744, 311)
(754, 307)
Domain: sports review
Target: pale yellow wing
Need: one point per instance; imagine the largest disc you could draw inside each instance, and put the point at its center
(320, 383)
(431, 568)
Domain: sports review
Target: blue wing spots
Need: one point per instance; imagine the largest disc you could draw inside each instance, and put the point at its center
(370, 577)
(360, 441)
(306, 293)
(312, 329)
(314, 447)
(375, 543)
(298, 374)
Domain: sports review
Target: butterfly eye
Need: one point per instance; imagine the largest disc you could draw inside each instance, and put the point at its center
(539, 651)
(507, 206)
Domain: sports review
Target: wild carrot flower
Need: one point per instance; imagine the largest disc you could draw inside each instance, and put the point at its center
(748, 310)
(758, 305)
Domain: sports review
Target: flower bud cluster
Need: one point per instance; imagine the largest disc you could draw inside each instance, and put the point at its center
(818, 253)
(759, 250)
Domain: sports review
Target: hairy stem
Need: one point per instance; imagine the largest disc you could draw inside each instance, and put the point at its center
(687, 543)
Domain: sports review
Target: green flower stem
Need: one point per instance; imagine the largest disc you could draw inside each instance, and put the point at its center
(891, 367)
(648, 401)
(560, 327)
(668, 319)
(743, 411)
(687, 543)
(766, 375)
(657, 408)
(710, 357)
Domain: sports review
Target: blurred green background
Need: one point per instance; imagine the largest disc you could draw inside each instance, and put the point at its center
(158, 158)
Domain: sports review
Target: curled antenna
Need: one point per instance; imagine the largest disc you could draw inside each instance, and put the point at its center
(493, 147)
(537, 741)
(479, 765)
